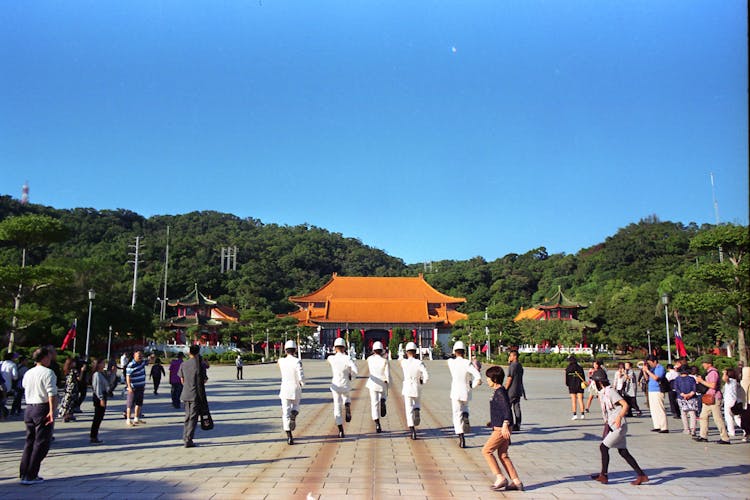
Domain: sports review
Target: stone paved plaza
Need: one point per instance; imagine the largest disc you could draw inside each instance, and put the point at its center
(246, 455)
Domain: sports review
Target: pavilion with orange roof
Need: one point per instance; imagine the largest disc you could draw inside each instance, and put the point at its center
(377, 305)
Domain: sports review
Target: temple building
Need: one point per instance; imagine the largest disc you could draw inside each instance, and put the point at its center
(199, 319)
(377, 305)
(559, 307)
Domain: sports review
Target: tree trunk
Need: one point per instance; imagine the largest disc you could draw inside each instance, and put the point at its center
(741, 337)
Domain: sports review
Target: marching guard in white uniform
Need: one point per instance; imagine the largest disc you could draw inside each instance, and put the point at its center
(415, 374)
(464, 377)
(377, 383)
(292, 380)
(342, 367)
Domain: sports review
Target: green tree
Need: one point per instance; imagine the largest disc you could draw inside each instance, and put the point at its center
(726, 293)
(19, 282)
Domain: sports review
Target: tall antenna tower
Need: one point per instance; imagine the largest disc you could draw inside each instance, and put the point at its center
(135, 262)
(25, 193)
(716, 213)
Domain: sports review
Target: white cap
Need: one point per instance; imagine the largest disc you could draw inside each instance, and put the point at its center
(459, 345)
(339, 342)
(290, 345)
(411, 346)
(377, 346)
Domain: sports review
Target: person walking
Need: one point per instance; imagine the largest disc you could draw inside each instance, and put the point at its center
(464, 377)
(615, 429)
(157, 372)
(415, 374)
(99, 392)
(9, 374)
(40, 390)
(596, 366)
(238, 365)
(135, 380)
(655, 372)
(575, 382)
(499, 440)
(192, 376)
(687, 399)
(70, 394)
(377, 383)
(342, 368)
(731, 396)
(514, 386)
(15, 409)
(290, 393)
(631, 389)
(174, 379)
(711, 402)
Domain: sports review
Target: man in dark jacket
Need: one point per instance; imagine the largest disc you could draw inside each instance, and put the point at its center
(193, 376)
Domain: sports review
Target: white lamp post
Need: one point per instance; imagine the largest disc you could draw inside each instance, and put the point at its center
(665, 301)
(92, 296)
(109, 344)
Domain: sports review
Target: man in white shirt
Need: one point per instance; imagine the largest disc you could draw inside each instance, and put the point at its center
(377, 383)
(292, 380)
(342, 367)
(464, 377)
(40, 386)
(10, 376)
(415, 374)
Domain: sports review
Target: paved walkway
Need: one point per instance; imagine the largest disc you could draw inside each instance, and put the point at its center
(246, 455)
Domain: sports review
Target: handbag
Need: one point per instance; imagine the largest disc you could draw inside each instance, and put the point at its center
(583, 382)
(736, 408)
(207, 422)
(708, 399)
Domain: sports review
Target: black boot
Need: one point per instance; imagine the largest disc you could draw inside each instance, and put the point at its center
(293, 420)
(382, 407)
(417, 418)
(413, 433)
(461, 441)
(378, 429)
(465, 422)
(348, 408)
(289, 438)
(341, 431)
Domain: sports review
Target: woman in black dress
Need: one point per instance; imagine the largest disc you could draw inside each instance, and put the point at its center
(574, 377)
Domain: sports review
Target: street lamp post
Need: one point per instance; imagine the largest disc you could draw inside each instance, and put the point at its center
(648, 332)
(92, 296)
(109, 343)
(665, 301)
(487, 332)
(266, 345)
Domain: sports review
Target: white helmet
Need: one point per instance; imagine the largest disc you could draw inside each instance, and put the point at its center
(459, 346)
(411, 346)
(339, 342)
(290, 345)
(377, 346)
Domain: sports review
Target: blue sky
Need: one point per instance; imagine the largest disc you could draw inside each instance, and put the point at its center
(431, 130)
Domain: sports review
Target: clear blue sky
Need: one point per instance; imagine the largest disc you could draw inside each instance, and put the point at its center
(431, 130)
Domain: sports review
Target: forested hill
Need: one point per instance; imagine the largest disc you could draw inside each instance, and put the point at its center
(620, 278)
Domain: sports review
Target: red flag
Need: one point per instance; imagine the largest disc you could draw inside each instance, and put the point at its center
(69, 336)
(679, 344)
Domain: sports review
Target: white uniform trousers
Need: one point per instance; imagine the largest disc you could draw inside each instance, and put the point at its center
(458, 407)
(287, 405)
(656, 407)
(410, 403)
(375, 397)
(339, 400)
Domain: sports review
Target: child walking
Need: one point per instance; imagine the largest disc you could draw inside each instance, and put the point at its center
(500, 418)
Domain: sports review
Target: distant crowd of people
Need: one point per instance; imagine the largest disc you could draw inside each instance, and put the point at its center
(56, 392)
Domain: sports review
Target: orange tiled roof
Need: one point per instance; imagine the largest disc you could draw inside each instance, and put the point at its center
(225, 313)
(377, 300)
(530, 313)
(378, 288)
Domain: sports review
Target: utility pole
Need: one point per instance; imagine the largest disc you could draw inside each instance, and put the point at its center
(135, 261)
(163, 314)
